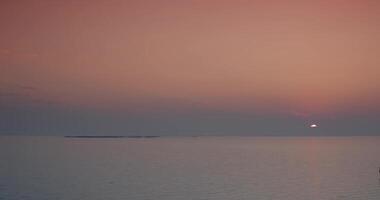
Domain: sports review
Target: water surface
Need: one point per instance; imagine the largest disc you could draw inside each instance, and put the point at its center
(189, 168)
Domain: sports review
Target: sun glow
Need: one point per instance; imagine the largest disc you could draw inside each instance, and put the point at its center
(313, 126)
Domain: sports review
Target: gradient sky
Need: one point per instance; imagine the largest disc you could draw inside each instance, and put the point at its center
(258, 67)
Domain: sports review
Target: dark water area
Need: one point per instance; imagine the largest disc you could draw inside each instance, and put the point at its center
(189, 168)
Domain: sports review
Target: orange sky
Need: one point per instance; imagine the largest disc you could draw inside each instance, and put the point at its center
(297, 57)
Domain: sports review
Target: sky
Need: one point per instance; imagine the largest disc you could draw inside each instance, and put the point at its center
(191, 67)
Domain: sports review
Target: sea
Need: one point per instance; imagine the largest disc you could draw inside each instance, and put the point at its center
(189, 168)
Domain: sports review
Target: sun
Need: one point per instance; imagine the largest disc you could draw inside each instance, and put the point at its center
(313, 126)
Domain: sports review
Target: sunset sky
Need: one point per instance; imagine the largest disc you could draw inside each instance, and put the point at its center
(191, 67)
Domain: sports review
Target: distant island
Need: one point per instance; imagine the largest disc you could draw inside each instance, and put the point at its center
(110, 136)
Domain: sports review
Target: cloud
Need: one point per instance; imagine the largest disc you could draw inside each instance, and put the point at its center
(14, 93)
(15, 86)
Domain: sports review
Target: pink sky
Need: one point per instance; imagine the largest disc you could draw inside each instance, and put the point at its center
(298, 57)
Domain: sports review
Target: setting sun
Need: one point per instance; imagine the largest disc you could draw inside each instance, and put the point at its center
(313, 126)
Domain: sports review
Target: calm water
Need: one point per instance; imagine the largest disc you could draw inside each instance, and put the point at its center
(217, 168)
